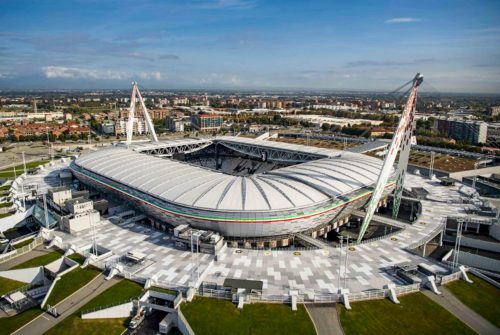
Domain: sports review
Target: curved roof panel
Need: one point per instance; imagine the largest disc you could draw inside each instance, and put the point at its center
(296, 186)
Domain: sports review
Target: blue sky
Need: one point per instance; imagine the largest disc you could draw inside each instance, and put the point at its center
(250, 44)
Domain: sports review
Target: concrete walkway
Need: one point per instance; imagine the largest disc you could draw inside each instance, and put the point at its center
(38, 251)
(463, 312)
(65, 308)
(325, 318)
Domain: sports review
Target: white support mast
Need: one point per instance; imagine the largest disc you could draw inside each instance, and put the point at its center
(404, 127)
(149, 122)
(136, 95)
(404, 156)
(131, 115)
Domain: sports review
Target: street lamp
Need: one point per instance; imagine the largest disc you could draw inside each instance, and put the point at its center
(340, 258)
(345, 265)
(431, 164)
(24, 163)
(197, 238)
(14, 168)
(458, 240)
(48, 142)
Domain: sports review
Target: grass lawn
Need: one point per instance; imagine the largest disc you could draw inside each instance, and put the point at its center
(40, 260)
(4, 215)
(6, 204)
(5, 187)
(9, 172)
(7, 285)
(163, 290)
(480, 296)
(74, 325)
(71, 282)
(23, 243)
(216, 316)
(77, 258)
(8, 325)
(416, 315)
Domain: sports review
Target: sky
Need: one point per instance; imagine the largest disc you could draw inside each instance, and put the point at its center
(250, 44)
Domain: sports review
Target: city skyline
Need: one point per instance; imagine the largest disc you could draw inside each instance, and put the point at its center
(245, 44)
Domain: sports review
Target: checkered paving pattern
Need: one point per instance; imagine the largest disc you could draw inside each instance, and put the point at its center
(314, 270)
(168, 263)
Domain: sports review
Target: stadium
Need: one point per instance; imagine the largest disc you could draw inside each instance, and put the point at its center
(244, 189)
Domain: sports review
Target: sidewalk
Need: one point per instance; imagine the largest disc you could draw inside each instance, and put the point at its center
(38, 251)
(325, 318)
(44, 322)
(462, 312)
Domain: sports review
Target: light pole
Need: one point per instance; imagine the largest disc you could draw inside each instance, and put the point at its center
(195, 238)
(14, 168)
(197, 257)
(345, 265)
(475, 175)
(46, 213)
(340, 258)
(192, 261)
(458, 240)
(48, 142)
(431, 164)
(22, 183)
(24, 163)
(94, 242)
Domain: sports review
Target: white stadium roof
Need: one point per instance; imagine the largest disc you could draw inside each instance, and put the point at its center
(291, 187)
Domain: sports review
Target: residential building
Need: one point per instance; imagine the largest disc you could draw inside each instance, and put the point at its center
(158, 114)
(206, 122)
(494, 131)
(175, 124)
(139, 127)
(474, 132)
(494, 111)
(108, 127)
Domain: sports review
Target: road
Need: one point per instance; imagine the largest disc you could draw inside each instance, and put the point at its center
(462, 312)
(149, 326)
(325, 318)
(67, 307)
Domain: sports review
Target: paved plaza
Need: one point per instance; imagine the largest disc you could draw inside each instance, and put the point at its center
(315, 270)
(169, 264)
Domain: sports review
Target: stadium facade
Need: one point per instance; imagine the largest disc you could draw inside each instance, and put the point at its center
(316, 195)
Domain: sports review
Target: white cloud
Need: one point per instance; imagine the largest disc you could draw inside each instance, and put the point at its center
(150, 75)
(74, 72)
(7, 75)
(218, 78)
(402, 20)
(99, 74)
